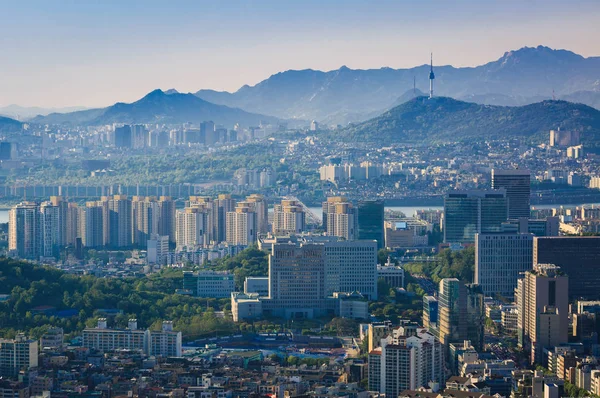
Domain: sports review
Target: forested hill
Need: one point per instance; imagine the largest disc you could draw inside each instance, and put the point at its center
(447, 119)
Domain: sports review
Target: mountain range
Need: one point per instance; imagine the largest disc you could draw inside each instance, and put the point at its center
(24, 112)
(159, 107)
(8, 125)
(446, 119)
(524, 76)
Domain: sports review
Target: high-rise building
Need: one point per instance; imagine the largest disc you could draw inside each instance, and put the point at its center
(139, 136)
(517, 184)
(73, 225)
(50, 229)
(145, 219)
(406, 361)
(577, 256)
(223, 204)
(17, 354)
(242, 225)
(123, 137)
(158, 247)
(564, 138)
(288, 218)
(545, 308)
(351, 266)
(340, 218)
(24, 233)
(191, 230)
(294, 269)
(370, 221)
(305, 276)
(62, 210)
(469, 212)
(260, 206)
(430, 312)
(91, 225)
(166, 221)
(119, 221)
(461, 313)
(500, 259)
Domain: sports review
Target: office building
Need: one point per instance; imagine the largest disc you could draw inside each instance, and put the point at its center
(430, 312)
(517, 184)
(340, 218)
(245, 306)
(392, 274)
(24, 230)
(469, 212)
(217, 284)
(370, 221)
(577, 256)
(257, 284)
(406, 233)
(351, 266)
(242, 225)
(406, 361)
(157, 249)
(123, 137)
(500, 259)
(548, 226)
(297, 280)
(289, 218)
(18, 354)
(91, 224)
(545, 309)
(191, 228)
(460, 313)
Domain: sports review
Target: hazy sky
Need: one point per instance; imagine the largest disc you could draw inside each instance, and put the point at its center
(94, 53)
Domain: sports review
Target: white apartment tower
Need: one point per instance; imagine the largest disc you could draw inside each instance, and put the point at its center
(23, 231)
(288, 218)
(191, 228)
(241, 225)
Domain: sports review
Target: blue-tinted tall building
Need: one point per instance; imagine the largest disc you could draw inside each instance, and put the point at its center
(370, 221)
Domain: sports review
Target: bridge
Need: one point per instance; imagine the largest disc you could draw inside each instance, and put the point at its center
(311, 217)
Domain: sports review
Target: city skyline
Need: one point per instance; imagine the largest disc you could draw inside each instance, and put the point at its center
(95, 55)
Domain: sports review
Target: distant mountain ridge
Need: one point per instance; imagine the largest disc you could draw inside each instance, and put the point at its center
(159, 107)
(344, 95)
(24, 112)
(447, 119)
(8, 125)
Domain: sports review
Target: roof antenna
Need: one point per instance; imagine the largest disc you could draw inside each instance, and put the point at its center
(415, 86)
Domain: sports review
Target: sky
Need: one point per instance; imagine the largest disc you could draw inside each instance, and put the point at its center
(96, 53)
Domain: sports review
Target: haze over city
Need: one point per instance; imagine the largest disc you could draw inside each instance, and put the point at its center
(277, 199)
(95, 54)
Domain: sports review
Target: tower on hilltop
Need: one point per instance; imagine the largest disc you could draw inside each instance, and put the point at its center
(431, 78)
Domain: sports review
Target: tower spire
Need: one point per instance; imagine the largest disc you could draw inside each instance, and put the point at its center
(431, 78)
